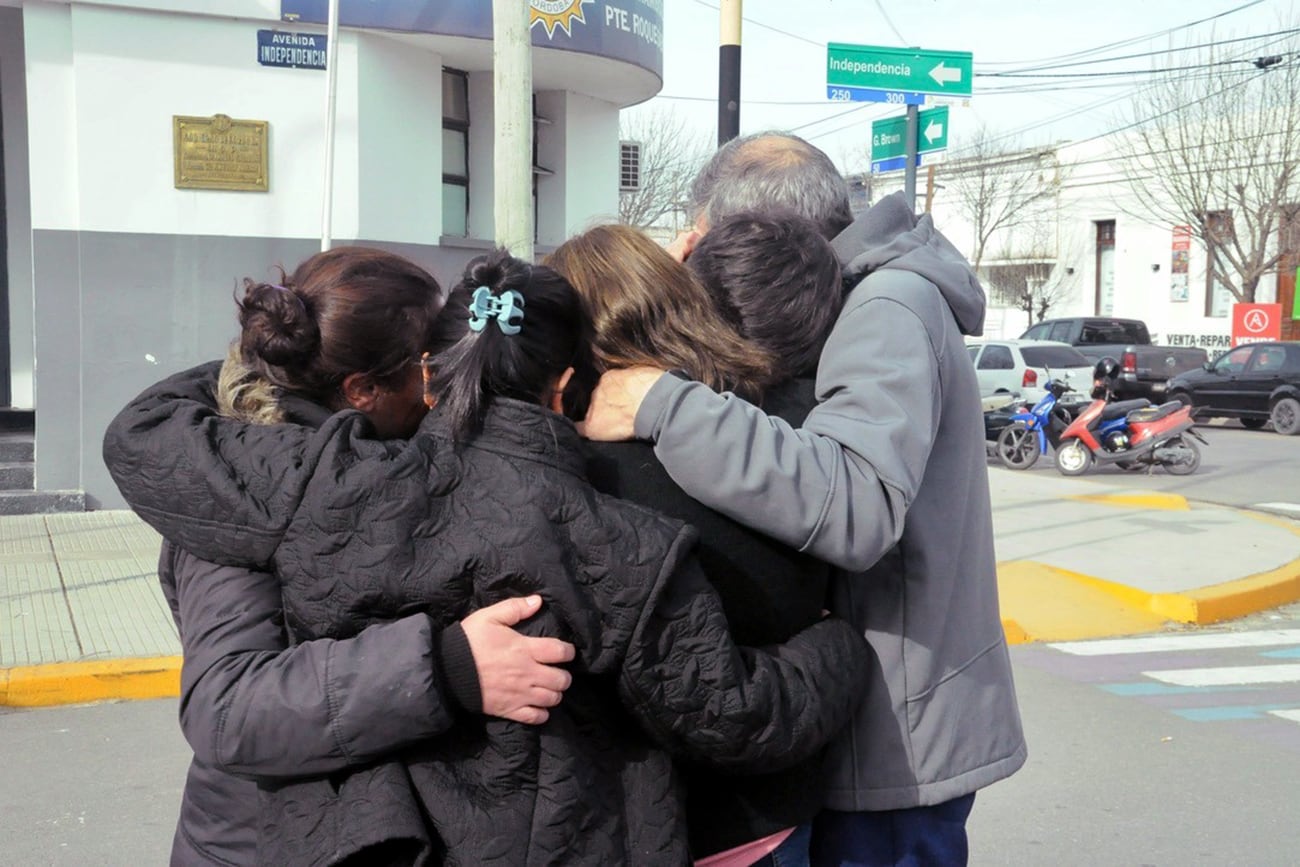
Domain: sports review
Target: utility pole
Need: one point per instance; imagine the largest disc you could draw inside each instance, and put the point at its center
(909, 174)
(729, 71)
(929, 187)
(512, 153)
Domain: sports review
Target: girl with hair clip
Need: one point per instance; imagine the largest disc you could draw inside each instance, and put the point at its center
(754, 325)
(489, 500)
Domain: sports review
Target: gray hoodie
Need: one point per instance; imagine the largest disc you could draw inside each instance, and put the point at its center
(887, 479)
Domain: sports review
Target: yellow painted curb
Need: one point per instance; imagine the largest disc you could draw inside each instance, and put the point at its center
(1140, 500)
(81, 682)
(1045, 603)
(1233, 599)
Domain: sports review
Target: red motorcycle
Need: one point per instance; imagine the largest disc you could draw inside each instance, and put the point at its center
(1151, 436)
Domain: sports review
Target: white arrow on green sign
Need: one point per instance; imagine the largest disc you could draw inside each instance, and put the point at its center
(889, 136)
(874, 73)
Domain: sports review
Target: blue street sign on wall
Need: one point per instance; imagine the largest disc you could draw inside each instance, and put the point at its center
(294, 50)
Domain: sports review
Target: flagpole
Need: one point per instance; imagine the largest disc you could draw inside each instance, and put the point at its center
(331, 88)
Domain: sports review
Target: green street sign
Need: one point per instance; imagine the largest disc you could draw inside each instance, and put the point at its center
(889, 136)
(899, 75)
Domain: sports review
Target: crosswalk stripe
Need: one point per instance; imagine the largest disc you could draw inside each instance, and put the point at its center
(1280, 507)
(1228, 712)
(1293, 715)
(1228, 676)
(1164, 643)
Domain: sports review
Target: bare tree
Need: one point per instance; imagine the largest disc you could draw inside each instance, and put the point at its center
(995, 187)
(1217, 148)
(1026, 274)
(670, 155)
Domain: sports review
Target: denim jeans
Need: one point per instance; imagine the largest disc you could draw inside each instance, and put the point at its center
(918, 837)
(793, 851)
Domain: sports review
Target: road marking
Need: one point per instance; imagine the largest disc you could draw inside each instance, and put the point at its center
(1289, 653)
(1229, 676)
(1165, 643)
(1148, 688)
(1279, 507)
(1293, 715)
(1230, 712)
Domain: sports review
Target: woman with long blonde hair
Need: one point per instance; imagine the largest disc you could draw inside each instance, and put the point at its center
(769, 293)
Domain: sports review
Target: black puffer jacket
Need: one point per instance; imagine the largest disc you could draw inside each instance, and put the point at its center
(361, 531)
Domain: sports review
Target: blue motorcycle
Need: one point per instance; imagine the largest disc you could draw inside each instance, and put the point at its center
(1034, 428)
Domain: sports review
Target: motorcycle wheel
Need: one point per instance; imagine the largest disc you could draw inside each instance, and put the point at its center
(1073, 458)
(1187, 465)
(1017, 447)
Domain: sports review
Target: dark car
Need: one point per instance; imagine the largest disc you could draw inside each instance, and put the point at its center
(1257, 383)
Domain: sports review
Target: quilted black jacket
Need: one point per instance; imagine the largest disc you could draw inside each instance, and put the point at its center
(361, 531)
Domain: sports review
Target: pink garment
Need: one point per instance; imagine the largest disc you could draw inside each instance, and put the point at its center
(746, 854)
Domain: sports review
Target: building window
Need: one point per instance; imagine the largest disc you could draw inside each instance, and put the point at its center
(629, 166)
(1105, 299)
(540, 123)
(1218, 230)
(455, 152)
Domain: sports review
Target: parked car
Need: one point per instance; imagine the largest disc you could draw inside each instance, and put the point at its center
(1257, 383)
(1024, 366)
(1144, 368)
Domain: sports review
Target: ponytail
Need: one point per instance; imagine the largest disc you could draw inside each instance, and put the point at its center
(521, 327)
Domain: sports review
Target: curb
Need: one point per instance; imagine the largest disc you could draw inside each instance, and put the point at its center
(1053, 604)
(82, 682)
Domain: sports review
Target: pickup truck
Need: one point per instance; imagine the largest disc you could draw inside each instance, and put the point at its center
(1144, 368)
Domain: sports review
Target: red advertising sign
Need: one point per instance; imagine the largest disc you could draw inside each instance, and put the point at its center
(1252, 323)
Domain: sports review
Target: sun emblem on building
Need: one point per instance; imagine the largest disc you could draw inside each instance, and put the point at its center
(557, 13)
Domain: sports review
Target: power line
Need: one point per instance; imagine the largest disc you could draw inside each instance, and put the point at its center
(885, 15)
(1016, 73)
(1135, 39)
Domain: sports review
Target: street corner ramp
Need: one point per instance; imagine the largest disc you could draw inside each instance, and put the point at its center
(84, 682)
(1045, 603)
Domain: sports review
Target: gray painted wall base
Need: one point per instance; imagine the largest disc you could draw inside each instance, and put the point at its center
(117, 312)
(41, 502)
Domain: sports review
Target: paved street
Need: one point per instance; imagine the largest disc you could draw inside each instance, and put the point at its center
(1125, 767)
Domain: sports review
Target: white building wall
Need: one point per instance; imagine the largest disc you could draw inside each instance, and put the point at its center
(399, 141)
(580, 146)
(1094, 189)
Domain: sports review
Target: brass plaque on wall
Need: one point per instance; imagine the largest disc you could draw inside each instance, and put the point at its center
(219, 153)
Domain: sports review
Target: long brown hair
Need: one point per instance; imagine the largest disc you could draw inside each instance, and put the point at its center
(646, 308)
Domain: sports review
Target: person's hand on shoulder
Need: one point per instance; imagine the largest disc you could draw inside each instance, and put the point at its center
(615, 402)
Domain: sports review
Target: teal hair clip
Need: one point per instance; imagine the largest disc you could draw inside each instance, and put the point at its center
(507, 309)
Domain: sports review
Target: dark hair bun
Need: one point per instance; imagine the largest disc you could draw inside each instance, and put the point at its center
(276, 325)
(486, 271)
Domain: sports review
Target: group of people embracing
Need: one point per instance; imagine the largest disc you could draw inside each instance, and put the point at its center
(636, 556)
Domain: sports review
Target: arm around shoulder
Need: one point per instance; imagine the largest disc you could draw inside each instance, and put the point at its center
(257, 707)
(839, 487)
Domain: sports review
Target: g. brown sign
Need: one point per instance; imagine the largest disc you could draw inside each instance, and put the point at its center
(219, 153)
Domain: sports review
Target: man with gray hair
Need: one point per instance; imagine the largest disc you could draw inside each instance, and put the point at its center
(887, 479)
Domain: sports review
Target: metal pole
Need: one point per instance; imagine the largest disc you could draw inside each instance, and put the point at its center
(909, 176)
(331, 87)
(512, 154)
(729, 71)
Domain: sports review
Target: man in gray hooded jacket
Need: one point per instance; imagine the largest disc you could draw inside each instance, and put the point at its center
(887, 480)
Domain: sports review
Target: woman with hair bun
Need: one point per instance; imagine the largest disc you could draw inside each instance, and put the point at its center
(489, 499)
(344, 331)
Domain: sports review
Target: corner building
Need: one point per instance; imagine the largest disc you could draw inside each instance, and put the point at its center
(115, 272)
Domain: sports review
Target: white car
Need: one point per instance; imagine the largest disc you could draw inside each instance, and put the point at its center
(1023, 367)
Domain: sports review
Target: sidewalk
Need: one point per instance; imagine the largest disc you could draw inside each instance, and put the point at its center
(82, 617)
